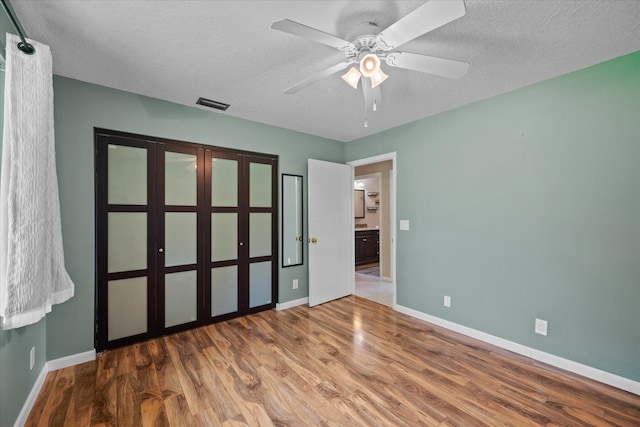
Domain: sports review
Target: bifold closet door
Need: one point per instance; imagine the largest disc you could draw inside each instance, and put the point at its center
(262, 232)
(148, 215)
(223, 199)
(241, 276)
(178, 241)
(126, 267)
(186, 235)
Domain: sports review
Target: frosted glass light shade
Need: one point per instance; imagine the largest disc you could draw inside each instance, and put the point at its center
(369, 64)
(352, 77)
(377, 78)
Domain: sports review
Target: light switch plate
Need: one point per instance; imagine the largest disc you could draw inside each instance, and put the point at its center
(404, 224)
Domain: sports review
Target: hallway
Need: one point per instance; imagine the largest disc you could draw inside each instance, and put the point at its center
(371, 286)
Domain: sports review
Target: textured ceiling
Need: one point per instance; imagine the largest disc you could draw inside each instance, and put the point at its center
(226, 51)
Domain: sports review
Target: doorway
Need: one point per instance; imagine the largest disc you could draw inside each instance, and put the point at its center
(374, 230)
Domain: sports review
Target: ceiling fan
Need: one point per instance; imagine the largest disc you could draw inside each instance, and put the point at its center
(370, 46)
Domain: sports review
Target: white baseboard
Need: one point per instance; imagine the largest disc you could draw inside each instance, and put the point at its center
(31, 398)
(52, 365)
(74, 359)
(291, 304)
(386, 279)
(550, 359)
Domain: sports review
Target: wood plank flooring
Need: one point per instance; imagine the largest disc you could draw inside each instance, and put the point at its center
(350, 362)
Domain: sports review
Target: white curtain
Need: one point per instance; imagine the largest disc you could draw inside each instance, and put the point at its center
(32, 271)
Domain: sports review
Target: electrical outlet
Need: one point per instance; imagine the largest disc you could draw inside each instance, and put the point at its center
(541, 327)
(32, 358)
(447, 301)
(295, 283)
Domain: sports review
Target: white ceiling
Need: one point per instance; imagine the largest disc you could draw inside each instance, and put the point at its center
(226, 51)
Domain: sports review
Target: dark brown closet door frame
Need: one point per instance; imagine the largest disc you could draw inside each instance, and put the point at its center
(161, 210)
(155, 210)
(243, 289)
(273, 210)
(102, 140)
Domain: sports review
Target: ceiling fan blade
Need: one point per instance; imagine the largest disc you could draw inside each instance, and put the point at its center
(428, 64)
(428, 17)
(315, 77)
(301, 30)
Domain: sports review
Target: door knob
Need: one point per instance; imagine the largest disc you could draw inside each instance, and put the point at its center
(313, 240)
(160, 250)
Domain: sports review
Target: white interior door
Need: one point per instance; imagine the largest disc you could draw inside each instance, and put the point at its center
(330, 231)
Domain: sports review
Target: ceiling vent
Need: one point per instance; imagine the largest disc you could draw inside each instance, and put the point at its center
(212, 104)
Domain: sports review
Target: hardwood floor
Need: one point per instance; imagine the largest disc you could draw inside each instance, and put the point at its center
(350, 362)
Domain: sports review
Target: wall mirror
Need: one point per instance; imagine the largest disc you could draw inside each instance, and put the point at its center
(292, 247)
(358, 203)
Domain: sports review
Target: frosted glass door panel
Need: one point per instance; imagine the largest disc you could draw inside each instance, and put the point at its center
(259, 185)
(127, 172)
(224, 290)
(259, 234)
(259, 284)
(180, 238)
(224, 236)
(180, 290)
(127, 241)
(127, 301)
(180, 182)
(224, 182)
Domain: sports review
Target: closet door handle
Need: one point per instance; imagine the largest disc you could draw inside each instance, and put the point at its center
(161, 250)
(241, 244)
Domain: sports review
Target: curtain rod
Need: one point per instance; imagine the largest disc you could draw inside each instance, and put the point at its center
(23, 45)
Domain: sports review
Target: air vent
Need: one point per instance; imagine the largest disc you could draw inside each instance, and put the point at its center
(212, 104)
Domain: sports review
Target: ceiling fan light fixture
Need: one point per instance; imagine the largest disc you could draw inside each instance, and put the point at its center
(352, 77)
(369, 64)
(377, 78)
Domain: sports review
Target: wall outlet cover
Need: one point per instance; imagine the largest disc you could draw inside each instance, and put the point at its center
(541, 327)
(295, 283)
(447, 301)
(404, 224)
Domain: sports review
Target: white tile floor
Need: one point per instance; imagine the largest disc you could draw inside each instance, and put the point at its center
(375, 289)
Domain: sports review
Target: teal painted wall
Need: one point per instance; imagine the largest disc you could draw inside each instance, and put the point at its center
(79, 107)
(527, 205)
(5, 26)
(16, 379)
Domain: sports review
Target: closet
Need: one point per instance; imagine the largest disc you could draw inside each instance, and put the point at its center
(186, 235)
